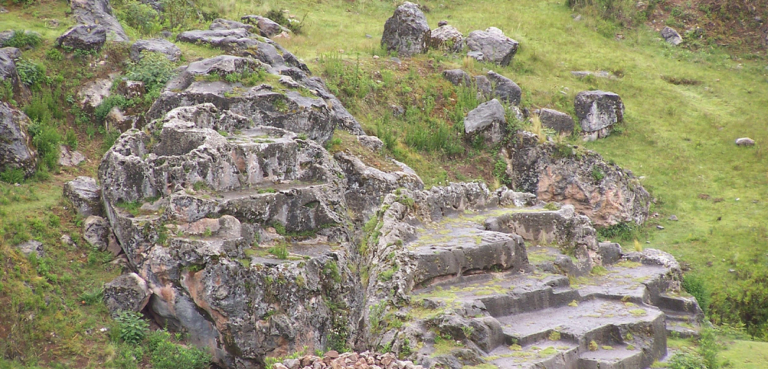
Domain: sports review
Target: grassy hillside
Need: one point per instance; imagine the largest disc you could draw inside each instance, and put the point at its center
(685, 107)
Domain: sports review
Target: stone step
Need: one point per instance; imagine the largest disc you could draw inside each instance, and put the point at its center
(602, 321)
(612, 357)
(549, 354)
(460, 245)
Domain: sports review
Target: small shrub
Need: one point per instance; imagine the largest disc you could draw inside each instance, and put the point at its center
(46, 140)
(154, 69)
(12, 175)
(624, 231)
(177, 13)
(30, 74)
(92, 297)
(54, 54)
(132, 327)
(70, 139)
(23, 39)
(698, 289)
(141, 17)
(597, 174)
(101, 111)
(165, 354)
(280, 251)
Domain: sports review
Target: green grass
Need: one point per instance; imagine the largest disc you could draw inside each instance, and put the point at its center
(745, 354)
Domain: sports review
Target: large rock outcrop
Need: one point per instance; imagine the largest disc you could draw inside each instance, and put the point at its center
(8, 72)
(604, 192)
(242, 236)
(16, 150)
(407, 31)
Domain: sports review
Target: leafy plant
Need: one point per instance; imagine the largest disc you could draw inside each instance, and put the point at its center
(154, 69)
(165, 354)
(141, 17)
(280, 251)
(46, 140)
(12, 175)
(131, 326)
(696, 287)
(30, 74)
(22, 39)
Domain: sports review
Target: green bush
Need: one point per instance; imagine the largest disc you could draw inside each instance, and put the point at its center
(165, 354)
(698, 289)
(22, 39)
(132, 328)
(46, 140)
(178, 13)
(624, 231)
(30, 74)
(101, 111)
(12, 175)
(70, 139)
(624, 12)
(54, 54)
(141, 17)
(154, 69)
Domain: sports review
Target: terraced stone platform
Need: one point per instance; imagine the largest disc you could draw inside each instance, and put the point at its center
(483, 294)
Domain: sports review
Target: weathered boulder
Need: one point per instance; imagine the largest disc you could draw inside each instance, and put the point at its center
(372, 143)
(131, 89)
(155, 45)
(70, 158)
(484, 87)
(604, 192)
(457, 77)
(266, 26)
(85, 195)
(367, 186)
(96, 232)
(558, 121)
(504, 88)
(407, 31)
(487, 120)
(492, 46)
(671, 36)
(597, 112)
(30, 247)
(83, 37)
(98, 12)
(446, 38)
(128, 292)
(16, 150)
(745, 141)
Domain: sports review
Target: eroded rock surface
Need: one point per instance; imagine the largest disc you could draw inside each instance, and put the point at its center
(487, 120)
(83, 37)
(598, 111)
(98, 12)
(156, 45)
(604, 192)
(85, 195)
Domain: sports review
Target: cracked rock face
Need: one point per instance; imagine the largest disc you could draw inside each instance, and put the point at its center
(603, 192)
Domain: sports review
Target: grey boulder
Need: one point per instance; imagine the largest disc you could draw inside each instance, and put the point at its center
(446, 38)
(266, 26)
(128, 292)
(488, 120)
(597, 112)
(85, 195)
(407, 31)
(220, 23)
(671, 35)
(8, 72)
(30, 247)
(156, 45)
(83, 37)
(98, 12)
(70, 158)
(457, 77)
(96, 232)
(557, 121)
(16, 150)
(505, 89)
(492, 46)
